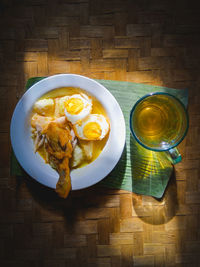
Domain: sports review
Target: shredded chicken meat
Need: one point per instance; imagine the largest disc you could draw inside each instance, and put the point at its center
(59, 141)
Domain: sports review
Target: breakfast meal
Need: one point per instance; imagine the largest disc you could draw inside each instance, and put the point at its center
(69, 129)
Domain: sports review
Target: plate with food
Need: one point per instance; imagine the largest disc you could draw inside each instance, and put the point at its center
(67, 132)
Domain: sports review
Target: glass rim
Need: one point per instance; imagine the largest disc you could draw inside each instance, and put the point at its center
(132, 112)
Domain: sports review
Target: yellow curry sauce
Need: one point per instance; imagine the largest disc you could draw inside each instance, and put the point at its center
(97, 108)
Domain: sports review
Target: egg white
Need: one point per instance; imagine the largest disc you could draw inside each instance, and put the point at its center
(87, 108)
(99, 119)
(61, 105)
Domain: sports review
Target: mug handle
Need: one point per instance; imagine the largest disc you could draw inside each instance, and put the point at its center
(174, 156)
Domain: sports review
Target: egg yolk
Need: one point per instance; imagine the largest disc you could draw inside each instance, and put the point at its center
(92, 130)
(74, 106)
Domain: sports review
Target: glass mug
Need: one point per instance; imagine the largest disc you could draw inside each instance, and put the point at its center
(159, 122)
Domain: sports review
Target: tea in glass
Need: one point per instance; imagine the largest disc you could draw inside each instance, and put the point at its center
(159, 121)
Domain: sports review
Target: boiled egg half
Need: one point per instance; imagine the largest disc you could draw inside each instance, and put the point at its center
(93, 127)
(77, 107)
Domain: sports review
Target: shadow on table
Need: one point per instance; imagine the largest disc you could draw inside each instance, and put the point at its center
(153, 176)
(68, 210)
(158, 211)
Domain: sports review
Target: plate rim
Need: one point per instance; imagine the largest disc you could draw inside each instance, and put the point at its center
(122, 126)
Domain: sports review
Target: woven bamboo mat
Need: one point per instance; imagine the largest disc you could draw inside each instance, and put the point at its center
(152, 42)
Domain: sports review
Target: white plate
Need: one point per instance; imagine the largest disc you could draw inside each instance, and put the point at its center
(23, 146)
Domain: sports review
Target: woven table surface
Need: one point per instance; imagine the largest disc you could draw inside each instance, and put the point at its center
(149, 42)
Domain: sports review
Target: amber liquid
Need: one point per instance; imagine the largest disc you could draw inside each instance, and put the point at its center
(152, 120)
(158, 121)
